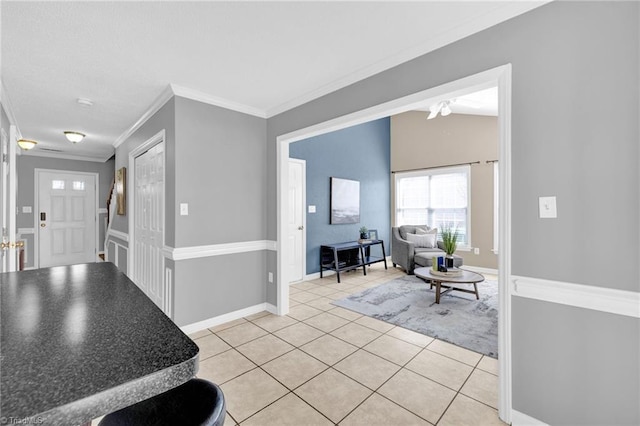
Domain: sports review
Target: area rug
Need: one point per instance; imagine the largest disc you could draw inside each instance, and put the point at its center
(459, 318)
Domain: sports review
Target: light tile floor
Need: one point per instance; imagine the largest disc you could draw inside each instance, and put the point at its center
(325, 365)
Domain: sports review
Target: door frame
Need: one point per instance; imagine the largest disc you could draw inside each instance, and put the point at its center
(303, 163)
(500, 77)
(131, 205)
(36, 211)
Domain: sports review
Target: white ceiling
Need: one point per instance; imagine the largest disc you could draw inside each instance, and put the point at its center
(258, 57)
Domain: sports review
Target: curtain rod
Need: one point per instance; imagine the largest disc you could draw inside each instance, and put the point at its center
(491, 161)
(435, 167)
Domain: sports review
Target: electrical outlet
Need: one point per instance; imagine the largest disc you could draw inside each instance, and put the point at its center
(547, 207)
(184, 209)
(270, 277)
(476, 250)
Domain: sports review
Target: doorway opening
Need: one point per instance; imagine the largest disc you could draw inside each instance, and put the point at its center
(498, 77)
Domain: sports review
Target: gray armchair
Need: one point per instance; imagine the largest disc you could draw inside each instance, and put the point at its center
(407, 255)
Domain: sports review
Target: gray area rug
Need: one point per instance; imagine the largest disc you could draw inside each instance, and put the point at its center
(459, 318)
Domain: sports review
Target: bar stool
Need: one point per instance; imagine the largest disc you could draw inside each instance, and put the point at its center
(195, 403)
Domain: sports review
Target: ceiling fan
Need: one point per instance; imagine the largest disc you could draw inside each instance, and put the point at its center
(444, 107)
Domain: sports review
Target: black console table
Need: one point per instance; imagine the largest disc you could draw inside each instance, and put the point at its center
(341, 257)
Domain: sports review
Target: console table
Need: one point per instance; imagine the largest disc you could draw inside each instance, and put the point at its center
(341, 257)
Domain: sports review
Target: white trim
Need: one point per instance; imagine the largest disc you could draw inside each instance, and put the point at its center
(206, 98)
(500, 76)
(103, 210)
(26, 231)
(480, 269)
(194, 252)
(303, 163)
(117, 234)
(224, 318)
(521, 419)
(614, 301)
(162, 99)
(168, 292)
(65, 156)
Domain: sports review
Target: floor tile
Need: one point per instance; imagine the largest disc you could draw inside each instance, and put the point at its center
(456, 352)
(483, 387)
(328, 349)
(305, 285)
(367, 369)
(273, 323)
(293, 303)
(289, 410)
(294, 368)
(417, 394)
(240, 334)
(298, 334)
(345, 313)
(326, 322)
(224, 367)
(488, 364)
(379, 411)
(211, 345)
(258, 315)
(338, 295)
(252, 391)
(226, 325)
(302, 312)
(323, 303)
(410, 336)
(441, 369)
(392, 349)
(375, 324)
(199, 334)
(465, 411)
(264, 349)
(321, 290)
(304, 296)
(356, 334)
(333, 394)
(228, 420)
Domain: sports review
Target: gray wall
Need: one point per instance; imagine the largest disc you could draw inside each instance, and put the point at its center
(571, 60)
(26, 166)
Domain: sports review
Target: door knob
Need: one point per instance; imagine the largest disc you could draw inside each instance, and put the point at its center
(42, 225)
(300, 228)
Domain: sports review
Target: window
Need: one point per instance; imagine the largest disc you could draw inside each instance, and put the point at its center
(435, 197)
(57, 184)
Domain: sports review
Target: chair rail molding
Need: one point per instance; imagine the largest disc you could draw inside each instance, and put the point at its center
(614, 301)
(194, 252)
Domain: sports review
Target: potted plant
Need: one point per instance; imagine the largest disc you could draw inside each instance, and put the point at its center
(450, 243)
(363, 232)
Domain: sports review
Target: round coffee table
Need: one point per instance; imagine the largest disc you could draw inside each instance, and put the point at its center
(467, 277)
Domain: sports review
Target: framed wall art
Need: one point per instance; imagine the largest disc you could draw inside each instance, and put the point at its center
(345, 201)
(121, 189)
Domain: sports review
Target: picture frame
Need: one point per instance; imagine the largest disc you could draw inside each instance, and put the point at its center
(345, 201)
(373, 234)
(121, 188)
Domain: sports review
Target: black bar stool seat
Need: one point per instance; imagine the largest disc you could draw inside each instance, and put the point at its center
(195, 403)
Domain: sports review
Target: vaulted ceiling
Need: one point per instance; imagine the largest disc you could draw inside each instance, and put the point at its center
(261, 58)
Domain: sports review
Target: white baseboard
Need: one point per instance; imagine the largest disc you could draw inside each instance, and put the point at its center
(480, 269)
(231, 316)
(521, 419)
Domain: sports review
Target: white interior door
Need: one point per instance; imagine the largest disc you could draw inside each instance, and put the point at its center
(66, 217)
(296, 237)
(149, 223)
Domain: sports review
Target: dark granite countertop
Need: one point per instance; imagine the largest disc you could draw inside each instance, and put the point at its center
(81, 341)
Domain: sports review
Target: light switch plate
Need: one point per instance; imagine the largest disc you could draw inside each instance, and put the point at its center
(26, 209)
(548, 208)
(184, 209)
(312, 209)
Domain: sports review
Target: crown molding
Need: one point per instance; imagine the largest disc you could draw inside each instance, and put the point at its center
(206, 98)
(64, 156)
(158, 103)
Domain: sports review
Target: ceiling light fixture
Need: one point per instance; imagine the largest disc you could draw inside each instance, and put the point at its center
(74, 137)
(27, 144)
(85, 102)
(442, 107)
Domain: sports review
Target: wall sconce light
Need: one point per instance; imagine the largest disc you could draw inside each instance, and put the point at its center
(74, 137)
(27, 144)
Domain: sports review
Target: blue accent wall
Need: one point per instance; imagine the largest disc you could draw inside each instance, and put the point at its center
(359, 153)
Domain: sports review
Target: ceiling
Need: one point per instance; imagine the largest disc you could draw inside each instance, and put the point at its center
(261, 58)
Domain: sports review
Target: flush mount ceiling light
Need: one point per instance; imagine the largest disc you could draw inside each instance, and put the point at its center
(442, 107)
(27, 144)
(74, 137)
(84, 102)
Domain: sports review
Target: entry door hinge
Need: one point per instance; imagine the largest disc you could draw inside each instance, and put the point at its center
(5, 159)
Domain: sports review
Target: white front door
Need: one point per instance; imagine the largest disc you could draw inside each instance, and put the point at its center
(66, 217)
(148, 188)
(296, 239)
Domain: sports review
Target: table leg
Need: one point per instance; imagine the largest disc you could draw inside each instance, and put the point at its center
(475, 286)
(335, 260)
(384, 254)
(437, 283)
